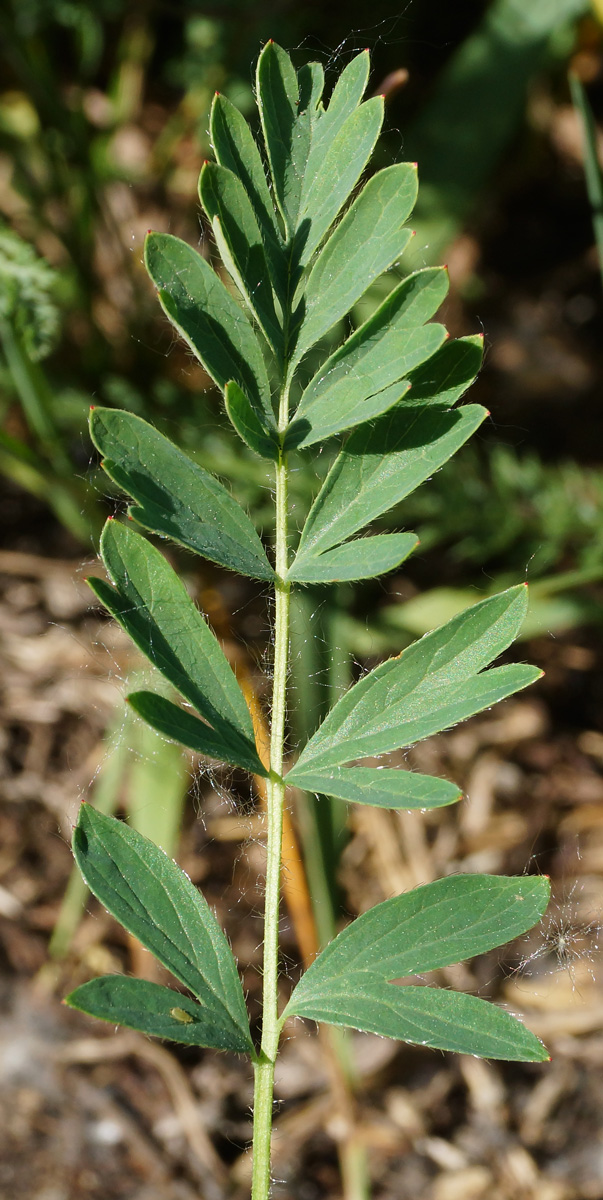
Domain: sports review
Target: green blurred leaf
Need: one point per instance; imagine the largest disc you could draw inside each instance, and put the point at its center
(149, 1008)
(369, 238)
(208, 317)
(429, 927)
(386, 787)
(175, 497)
(364, 558)
(434, 684)
(156, 902)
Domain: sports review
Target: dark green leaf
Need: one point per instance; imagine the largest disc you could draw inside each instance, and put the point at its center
(430, 687)
(287, 137)
(207, 317)
(175, 497)
(236, 149)
(369, 238)
(156, 902)
(380, 465)
(153, 606)
(429, 927)
(381, 352)
(364, 558)
(149, 1008)
(249, 423)
(181, 726)
(239, 241)
(386, 787)
(432, 1017)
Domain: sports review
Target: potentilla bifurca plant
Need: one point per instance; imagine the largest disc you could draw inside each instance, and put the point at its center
(302, 243)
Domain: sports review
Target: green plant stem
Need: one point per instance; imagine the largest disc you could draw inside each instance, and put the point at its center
(264, 1067)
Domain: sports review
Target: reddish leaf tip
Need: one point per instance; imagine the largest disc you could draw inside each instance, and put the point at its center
(92, 407)
(216, 93)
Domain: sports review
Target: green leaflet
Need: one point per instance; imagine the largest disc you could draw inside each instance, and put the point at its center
(387, 787)
(152, 605)
(433, 685)
(379, 466)
(369, 238)
(287, 138)
(332, 419)
(175, 497)
(248, 422)
(364, 558)
(155, 901)
(332, 173)
(311, 82)
(208, 317)
(380, 353)
(432, 1017)
(239, 241)
(429, 927)
(236, 149)
(345, 98)
(444, 378)
(179, 725)
(149, 1008)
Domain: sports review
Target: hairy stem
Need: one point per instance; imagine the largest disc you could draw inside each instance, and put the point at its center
(264, 1067)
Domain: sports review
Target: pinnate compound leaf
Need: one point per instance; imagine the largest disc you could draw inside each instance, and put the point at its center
(207, 317)
(437, 682)
(287, 137)
(369, 238)
(152, 604)
(176, 497)
(249, 423)
(380, 465)
(387, 787)
(239, 241)
(149, 1008)
(364, 558)
(181, 726)
(156, 902)
(384, 350)
(236, 149)
(429, 927)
